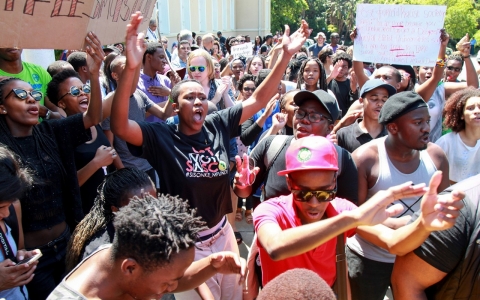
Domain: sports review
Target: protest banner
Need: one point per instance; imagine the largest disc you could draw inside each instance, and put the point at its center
(245, 50)
(63, 24)
(398, 34)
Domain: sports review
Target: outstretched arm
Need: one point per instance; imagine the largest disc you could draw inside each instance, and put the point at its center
(122, 127)
(437, 213)
(222, 262)
(95, 56)
(358, 65)
(269, 87)
(281, 244)
(426, 89)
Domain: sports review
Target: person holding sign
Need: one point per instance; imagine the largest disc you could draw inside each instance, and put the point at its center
(435, 92)
(54, 206)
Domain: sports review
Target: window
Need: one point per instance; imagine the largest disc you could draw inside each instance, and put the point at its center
(224, 15)
(185, 14)
(232, 15)
(202, 9)
(215, 15)
(163, 16)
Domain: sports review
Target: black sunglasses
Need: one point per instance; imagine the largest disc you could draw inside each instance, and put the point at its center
(76, 91)
(322, 196)
(23, 94)
(246, 89)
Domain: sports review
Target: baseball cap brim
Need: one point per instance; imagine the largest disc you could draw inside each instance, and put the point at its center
(390, 89)
(285, 172)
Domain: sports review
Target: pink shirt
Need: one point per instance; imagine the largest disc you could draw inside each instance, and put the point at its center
(320, 260)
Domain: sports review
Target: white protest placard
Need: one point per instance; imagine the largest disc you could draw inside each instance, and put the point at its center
(63, 24)
(398, 34)
(245, 50)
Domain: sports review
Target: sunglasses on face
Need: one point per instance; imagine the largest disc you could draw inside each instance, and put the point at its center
(241, 41)
(450, 68)
(76, 91)
(23, 94)
(313, 117)
(197, 68)
(322, 196)
(217, 65)
(246, 89)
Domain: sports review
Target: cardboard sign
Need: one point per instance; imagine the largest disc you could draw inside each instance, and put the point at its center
(63, 24)
(245, 50)
(398, 34)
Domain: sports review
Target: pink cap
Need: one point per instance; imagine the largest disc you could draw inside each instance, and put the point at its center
(310, 153)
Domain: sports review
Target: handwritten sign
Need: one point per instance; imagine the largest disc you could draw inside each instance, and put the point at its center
(63, 24)
(398, 34)
(245, 50)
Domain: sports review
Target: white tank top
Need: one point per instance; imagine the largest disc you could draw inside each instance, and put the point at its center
(389, 175)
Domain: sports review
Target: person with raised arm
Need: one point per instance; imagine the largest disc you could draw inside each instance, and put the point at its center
(191, 158)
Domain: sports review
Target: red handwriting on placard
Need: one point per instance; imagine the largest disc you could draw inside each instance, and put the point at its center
(119, 9)
(58, 6)
(30, 6)
(9, 5)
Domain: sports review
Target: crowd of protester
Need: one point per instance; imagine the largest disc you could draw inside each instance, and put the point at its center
(127, 166)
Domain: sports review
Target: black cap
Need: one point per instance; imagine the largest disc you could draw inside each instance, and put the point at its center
(329, 102)
(409, 70)
(400, 104)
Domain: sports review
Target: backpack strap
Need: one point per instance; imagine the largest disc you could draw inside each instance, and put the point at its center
(274, 150)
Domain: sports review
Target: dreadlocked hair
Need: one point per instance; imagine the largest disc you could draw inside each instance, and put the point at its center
(42, 142)
(112, 192)
(151, 230)
(322, 80)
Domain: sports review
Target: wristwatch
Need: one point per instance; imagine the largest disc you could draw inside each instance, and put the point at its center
(48, 114)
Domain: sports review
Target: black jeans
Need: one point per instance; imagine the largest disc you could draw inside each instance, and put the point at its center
(369, 279)
(51, 267)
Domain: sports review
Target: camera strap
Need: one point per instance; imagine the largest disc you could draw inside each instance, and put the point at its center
(6, 248)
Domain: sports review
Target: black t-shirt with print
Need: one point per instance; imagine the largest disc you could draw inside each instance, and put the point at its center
(195, 167)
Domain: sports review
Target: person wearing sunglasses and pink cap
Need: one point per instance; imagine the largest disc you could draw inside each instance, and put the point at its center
(299, 230)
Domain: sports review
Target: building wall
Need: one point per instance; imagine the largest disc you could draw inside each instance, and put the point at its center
(231, 17)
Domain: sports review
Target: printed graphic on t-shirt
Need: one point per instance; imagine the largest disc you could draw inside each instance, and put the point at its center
(204, 163)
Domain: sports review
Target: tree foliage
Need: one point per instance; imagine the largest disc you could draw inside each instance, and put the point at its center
(288, 12)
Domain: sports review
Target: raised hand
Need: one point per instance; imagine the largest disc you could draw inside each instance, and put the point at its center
(336, 69)
(444, 38)
(135, 42)
(94, 52)
(271, 105)
(279, 121)
(227, 262)
(353, 34)
(376, 210)
(439, 212)
(292, 43)
(244, 176)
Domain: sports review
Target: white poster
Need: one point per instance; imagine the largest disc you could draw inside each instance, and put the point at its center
(398, 34)
(245, 50)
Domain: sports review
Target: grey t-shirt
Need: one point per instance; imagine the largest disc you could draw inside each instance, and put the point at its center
(138, 106)
(64, 291)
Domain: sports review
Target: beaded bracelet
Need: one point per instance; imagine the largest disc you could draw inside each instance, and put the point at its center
(440, 63)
